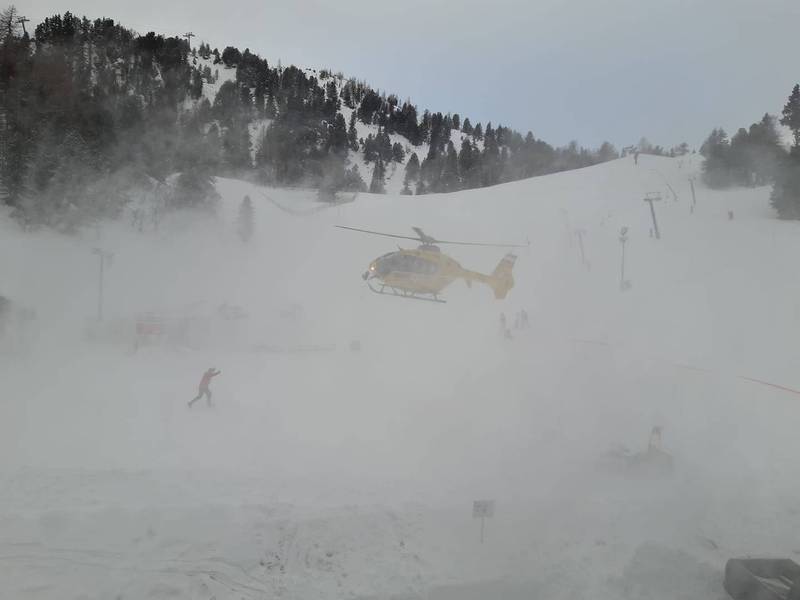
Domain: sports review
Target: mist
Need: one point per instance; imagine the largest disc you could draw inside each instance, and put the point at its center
(350, 433)
(267, 331)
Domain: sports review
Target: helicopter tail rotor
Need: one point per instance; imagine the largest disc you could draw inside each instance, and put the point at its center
(501, 280)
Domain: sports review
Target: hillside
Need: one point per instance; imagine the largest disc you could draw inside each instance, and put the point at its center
(94, 115)
(326, 472)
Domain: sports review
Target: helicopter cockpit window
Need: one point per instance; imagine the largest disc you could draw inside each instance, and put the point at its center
(404, 263)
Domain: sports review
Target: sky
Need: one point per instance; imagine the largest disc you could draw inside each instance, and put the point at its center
(581, 70)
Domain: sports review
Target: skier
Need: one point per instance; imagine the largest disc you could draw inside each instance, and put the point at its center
(504, 327)
(654, 445)
(636, 158)
(202, 389)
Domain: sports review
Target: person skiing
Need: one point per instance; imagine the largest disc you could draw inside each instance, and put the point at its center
(203, 389)
(654, 445)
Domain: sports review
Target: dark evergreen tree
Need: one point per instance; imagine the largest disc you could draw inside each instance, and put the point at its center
(425, 127)
(332, 103)
(194, 189)
(607, 152)
(352, 134)
(377, 185)
(236, 147)
(353, 181)
(246, 219)
(337, 137)
(450, 179)
(456, 121)
(785, 196)
(791, 114)
(231, 56)
(197, 85)
(715, 150)
(370, 149)
(468, 161)
(398, 154)
(467, 127)
(412, 168)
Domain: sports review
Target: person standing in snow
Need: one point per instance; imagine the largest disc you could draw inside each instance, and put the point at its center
(636, 158)
(654, 445)
(203, 389)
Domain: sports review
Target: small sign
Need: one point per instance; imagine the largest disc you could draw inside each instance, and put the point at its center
(482, 509)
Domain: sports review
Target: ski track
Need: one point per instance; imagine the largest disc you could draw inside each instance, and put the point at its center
(340, 474)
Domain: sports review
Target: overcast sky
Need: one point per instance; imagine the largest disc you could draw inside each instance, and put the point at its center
(589, 70)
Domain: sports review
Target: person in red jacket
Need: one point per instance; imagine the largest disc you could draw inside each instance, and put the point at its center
(203, 390)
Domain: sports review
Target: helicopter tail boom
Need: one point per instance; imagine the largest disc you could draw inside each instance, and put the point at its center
(501, 280)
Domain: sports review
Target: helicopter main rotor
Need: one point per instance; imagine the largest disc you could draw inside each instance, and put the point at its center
(427, 240)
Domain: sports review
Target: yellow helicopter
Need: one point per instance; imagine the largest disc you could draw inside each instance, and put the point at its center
(423, 273)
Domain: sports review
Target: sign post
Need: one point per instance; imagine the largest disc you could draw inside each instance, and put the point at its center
(105, 258)
(580, 233)
(623, 283)
(482, 509)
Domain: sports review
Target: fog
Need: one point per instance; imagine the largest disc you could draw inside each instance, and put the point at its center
(326, 467)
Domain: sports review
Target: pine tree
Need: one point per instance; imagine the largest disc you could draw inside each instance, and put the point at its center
(246, 220)
(477, 133)
(766, 149)
(231, 56)
(425, 127)
(352, 133)
(384, 145)
(398, 154)
(197, 85)
(337, 136)
(785, 196)
(412, 168)
(791, 114)
(456, 121)
(353, 181)
(607, 152)
(332, 103)
(194, 189)
(347, 95)
(377, 186)
(236, 146)
(715, 150)
(450, 180)
(468, 159)
(370, 149)
(467, 127)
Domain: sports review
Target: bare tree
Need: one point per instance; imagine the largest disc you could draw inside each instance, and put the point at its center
(9, 23)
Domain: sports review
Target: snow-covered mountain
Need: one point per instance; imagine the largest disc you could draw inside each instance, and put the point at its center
(328, 472)
(396, 170)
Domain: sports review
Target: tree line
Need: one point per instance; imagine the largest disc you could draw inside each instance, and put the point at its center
(92, 113)
(756, 156)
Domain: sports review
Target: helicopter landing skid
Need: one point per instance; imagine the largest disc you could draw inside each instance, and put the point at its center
(405, 294)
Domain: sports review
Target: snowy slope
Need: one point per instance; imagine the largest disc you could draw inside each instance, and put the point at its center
(327, 473)
(395, 172)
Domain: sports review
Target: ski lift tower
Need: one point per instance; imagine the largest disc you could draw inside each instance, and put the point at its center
(650, 198)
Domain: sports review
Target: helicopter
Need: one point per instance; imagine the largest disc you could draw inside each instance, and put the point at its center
(422, 273)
